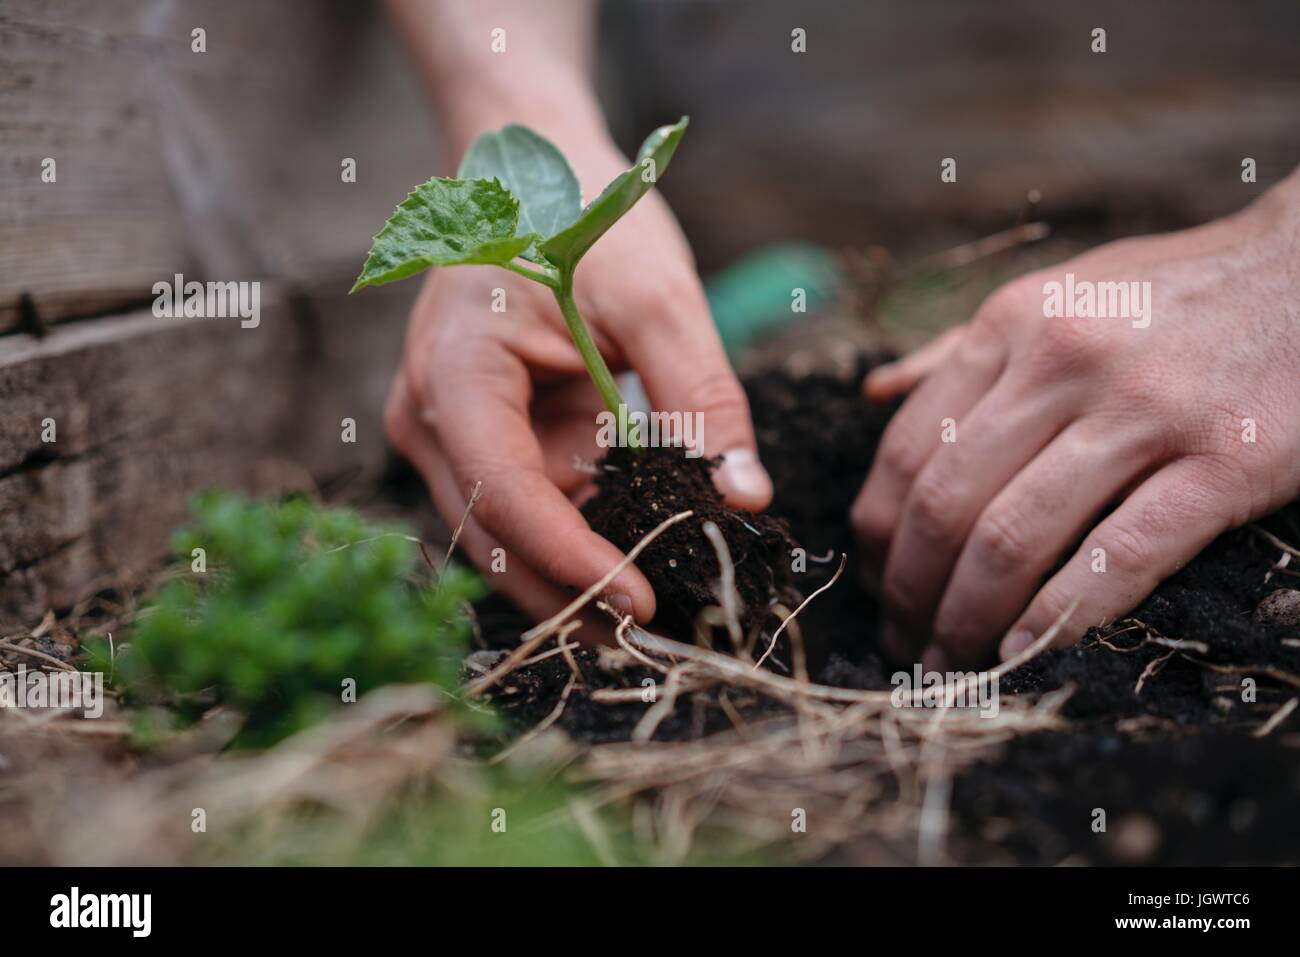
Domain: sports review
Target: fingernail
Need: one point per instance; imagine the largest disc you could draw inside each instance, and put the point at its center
(934, 659)
(620, 603)
(743, 479)
(876, 386)
(1015, 642)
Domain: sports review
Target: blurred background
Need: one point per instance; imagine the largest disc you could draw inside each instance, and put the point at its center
(818, 169)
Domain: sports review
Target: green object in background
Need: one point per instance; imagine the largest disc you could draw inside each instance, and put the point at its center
(756, 294)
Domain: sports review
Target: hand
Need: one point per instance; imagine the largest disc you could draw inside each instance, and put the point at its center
(1191, 426)
(503, 398)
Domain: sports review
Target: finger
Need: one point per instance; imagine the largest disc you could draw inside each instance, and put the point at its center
(682, 364)
(911, 437)
(564, 417)
(1024, 531)
(891, 379)
(528, 591)
(1158, 529)
(419, 446)
(995, 440)
(535, 597)
(490, 440)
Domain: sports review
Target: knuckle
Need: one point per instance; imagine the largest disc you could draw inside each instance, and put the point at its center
(1127, 547)
(1226, 486)
(1002, 538)
(903, 450)
(1071, 343)
(717, 393)
(933, 506)
(669, 300)
(1009, 305)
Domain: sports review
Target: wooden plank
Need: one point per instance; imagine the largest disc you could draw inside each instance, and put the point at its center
(218, 165)
(150, 410)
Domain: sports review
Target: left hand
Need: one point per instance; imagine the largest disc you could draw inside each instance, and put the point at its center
(1058, 418)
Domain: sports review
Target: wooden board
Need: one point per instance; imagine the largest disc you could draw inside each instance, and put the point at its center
(218, 165)
(150, 410)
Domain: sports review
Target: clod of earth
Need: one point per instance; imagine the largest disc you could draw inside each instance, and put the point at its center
(635, 492)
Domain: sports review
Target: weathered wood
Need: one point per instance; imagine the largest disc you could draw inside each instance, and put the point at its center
(219, 165)
(149, 410)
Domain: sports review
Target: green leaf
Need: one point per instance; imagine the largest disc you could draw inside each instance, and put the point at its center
(566, 247)
(533, 170)
(446, 222)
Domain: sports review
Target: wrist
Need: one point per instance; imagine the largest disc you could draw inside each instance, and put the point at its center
(1278, 209)
(568, 115)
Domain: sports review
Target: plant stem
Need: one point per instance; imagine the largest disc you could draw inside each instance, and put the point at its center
(547, 277)
(591, 356)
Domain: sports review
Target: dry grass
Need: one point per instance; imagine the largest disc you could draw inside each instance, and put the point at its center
(821, 772)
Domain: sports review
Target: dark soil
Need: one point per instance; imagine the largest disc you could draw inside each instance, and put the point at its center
(1208, 798)
(1171, 763)
(636, 491)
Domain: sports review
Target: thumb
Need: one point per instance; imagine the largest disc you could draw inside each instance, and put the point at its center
(683, 366)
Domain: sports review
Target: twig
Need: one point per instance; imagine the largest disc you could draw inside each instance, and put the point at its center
(541, 726)
(968, 253)
(535, 636)
(726, 583)
(1154, 665)
(654, 716)
(1279, 566)
(731, 667)
(802, 605)
(1278, 716)
(1274, 540)
(32, 652)
(455, 536)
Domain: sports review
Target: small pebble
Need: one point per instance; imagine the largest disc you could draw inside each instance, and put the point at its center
(481, 662)
(1280, 607)
(1134, 838)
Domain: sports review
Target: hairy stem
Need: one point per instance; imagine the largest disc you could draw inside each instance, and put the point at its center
(591, 356)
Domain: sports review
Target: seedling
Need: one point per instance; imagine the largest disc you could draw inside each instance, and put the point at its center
(516, 204)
